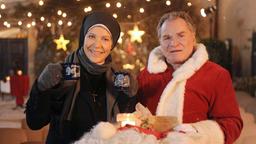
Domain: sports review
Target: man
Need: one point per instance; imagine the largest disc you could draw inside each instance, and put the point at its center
(180, 81)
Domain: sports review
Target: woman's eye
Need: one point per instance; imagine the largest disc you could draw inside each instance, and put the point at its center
(106, 39)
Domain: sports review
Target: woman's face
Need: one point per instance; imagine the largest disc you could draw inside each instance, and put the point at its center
(97, 44)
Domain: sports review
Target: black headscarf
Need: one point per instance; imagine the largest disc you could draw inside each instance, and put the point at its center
(100, 18)
(113, 27)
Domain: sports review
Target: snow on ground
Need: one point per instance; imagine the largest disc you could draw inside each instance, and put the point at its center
(10, 117)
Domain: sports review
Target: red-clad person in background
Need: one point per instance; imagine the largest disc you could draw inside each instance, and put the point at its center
(19, 88)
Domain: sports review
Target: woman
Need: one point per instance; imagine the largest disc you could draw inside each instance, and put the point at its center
(73, 107)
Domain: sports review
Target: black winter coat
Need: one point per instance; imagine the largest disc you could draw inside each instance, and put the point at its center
(72, 111)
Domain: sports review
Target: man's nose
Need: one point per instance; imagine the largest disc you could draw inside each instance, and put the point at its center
(174, 41)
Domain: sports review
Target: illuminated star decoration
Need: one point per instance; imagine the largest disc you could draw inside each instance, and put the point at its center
(61, 43)
(136, 34)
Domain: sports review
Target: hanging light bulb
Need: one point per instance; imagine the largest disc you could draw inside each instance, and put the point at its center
(64, 15)
(88, 9)
(59, 12)
(33, 23)
(108, 5)
(5, 23)
(60, 22)
(3, 6)
(49, 24)
(142, 10)
(168, 2)
(29, 14)
(41, 2)
(20, 23)
(129, 16)
(42, 18)
(115, 15)
(118, 4)
(69, 23)
(28, 25)
(189, 4)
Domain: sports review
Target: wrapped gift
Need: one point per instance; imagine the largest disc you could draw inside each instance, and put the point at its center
(158, 126)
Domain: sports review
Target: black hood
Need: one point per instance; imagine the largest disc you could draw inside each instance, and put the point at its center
(100, 18)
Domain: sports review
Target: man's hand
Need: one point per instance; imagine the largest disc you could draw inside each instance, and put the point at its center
(185, 128)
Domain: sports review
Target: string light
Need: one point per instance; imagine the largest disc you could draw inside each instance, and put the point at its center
(118, 4)
(33, 23)
(88, 9)
(141, 10)
(64, 15)
(108, 5)
(189, 4)
(42, 18)
(29, 14)
(129, 16)
(8, 25)
(28, 25)
(207, 11)
(59, 12)
(60, 22)
(49, 24)
(115, 15)
(20, 23)
(41, 3)
(69, 23)
(3, 6)
(168, 2)
(5, 23)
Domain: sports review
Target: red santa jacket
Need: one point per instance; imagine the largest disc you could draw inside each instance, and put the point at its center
(209, 95)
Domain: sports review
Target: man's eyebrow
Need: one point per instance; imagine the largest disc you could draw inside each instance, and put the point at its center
(182, 32)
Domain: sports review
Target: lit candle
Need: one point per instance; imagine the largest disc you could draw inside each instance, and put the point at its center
(126, 119)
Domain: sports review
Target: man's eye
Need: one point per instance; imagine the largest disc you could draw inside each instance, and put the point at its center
(166, 38)
(91, 36)
(182, 35)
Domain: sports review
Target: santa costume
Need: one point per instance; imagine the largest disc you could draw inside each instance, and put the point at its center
(199, 93)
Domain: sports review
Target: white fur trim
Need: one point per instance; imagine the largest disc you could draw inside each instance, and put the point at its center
(178, 138)
(210, 132)
(104, 130)
(172, 99)
(101, 132)
(156, 61)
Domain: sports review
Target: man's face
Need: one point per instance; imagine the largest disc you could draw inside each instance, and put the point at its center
(97, 44)
(177, 41)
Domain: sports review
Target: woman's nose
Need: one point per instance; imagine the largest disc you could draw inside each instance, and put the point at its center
(98, 43)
